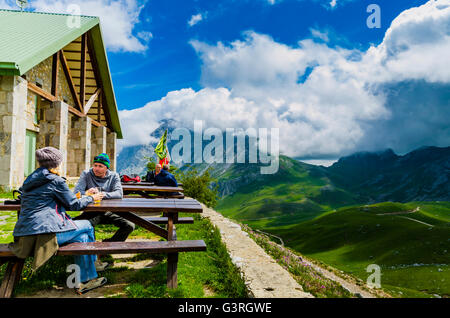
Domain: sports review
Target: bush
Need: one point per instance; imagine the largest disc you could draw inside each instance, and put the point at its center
(197, 186)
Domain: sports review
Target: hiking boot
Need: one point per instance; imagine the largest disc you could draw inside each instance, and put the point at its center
(101, 266)
(90, 285)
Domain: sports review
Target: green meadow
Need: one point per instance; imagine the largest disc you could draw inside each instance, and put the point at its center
(411, 248)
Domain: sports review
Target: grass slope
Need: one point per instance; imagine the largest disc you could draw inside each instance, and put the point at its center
(412, 249)
(297, 192)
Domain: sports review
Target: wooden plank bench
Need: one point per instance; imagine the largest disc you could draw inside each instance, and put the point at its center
(171, 196)
(165, 220)
(153, 191)
(171, 248)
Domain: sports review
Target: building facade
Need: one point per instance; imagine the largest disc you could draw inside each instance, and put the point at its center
(55, 90)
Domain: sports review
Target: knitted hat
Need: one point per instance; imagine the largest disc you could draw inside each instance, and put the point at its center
(103, 158)
(49, 157)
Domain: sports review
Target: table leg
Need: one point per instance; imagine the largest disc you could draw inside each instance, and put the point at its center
(152, 227)
(172, 266)
(170, 217)
(12, 277)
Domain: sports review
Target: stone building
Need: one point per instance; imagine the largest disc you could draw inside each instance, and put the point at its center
(55, 90)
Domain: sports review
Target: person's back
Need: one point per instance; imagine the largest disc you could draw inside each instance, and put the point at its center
(150, 176)
(45, 199)
(165, 179)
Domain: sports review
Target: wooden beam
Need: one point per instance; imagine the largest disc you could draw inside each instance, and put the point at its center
(102, 97)
(83, 71)
(70, 81)
(76, 112)
(71, 51)
(75, 60)
(39, 91)
(99, 110)
(91, 101)
(55, 72)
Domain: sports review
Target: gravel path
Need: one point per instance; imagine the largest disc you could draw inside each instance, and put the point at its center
(263, 276)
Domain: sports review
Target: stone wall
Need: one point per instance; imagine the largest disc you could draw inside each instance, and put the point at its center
(98, 141)
(13, 97)
(111, 146)
(78, 145)
(64, 93)
(54, 128)
(42, 73)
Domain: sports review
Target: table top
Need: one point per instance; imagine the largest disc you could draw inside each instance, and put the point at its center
(135, 205)
(150, 188)
(144, 183)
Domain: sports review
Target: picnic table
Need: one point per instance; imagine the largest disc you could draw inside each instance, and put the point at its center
(129, 208)
(153, 191)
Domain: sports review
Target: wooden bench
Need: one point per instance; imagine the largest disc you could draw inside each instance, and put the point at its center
(153, 191)
(171, 248)
(171, 196)
(165, 220)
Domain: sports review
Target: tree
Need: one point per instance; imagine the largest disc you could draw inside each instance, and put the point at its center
(151, 163)
(197, 186)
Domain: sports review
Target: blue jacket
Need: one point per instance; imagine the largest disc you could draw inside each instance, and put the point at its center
(165, 178)
(44, 201)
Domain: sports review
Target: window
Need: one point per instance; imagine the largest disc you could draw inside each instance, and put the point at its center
(30, 149)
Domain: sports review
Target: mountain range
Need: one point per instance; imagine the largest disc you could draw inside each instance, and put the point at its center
(363, 177)
(367, 208)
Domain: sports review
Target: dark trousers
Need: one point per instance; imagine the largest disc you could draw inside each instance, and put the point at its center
(125, 226)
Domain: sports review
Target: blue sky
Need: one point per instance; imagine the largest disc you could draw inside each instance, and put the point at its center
(311, 68)
(170, 63)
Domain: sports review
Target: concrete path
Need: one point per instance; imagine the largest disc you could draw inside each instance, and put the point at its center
(263, 276)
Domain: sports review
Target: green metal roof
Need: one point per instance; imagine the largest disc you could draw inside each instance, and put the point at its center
(28, 38)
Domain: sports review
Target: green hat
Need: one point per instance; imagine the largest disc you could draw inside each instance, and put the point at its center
(103, 159)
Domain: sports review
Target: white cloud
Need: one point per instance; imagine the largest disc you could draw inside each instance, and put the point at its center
(320, 35)
(333, 3)
(4, 4)
(320, 98)
(195, 19)
(414, 47)
(118, 20)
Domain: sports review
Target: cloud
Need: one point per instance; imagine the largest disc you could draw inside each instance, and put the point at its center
(320, 35)
(195, 19)
(326, 101)
(414, 46)
(118, 20)
(9, 5)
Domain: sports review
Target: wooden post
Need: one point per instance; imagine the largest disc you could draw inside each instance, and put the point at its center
(83, 72)
(170, 226)
(55, 72)
(12, 277)
(172, 266)
(172, 258)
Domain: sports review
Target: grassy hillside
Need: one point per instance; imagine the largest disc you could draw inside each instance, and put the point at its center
(297, 192)
(412, 248)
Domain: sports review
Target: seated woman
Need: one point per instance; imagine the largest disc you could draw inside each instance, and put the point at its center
(44, 201)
